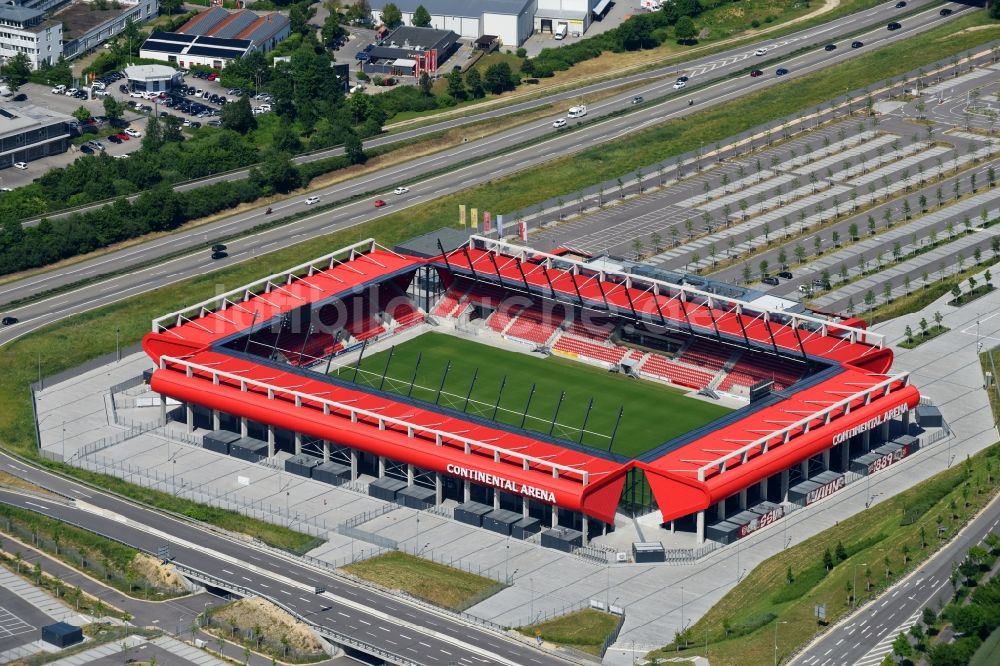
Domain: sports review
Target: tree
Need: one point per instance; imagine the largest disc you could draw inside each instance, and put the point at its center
(391, 16)
(827, 559)
(82, 114)
(763, 268)
(840, 552)
(426, 85)
(354, 149)
(152, 141)
(332, 30)
(277, 173)
(908, 332)
(238, 116)
(16, 70)
(685, 30)
(499, 78)
(901, 646)
(956, 292)
(113, 109)
(171, 6)
(474, 82)
(852, 229)
(456, 87)
(906, 553)
(421, 17)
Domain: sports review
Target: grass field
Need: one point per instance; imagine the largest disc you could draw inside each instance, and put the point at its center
(653, 413)
(585, 630)
(439, 584)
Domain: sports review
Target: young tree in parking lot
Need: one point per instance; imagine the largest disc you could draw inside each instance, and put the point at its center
(113, 109)
(391, 16)
(763, 268)
(783, 258)
(82, 113)
(238, 116)
(421, 17)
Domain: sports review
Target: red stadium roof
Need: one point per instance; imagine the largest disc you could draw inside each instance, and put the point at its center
(688, 478)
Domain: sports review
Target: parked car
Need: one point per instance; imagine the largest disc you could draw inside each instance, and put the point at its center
(86, 150)
(112, 139)
(20, 165)
(69, 92)
(122, 136)
(785, 274)
(134, 133)
(59, 90)
(773, 281)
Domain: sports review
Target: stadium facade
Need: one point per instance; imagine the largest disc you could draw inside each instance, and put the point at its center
(819, 397)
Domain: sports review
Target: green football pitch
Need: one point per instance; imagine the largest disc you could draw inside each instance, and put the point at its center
(651, 413)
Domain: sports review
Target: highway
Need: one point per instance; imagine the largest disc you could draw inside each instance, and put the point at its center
(357, 613)
(706, 68)
(543, 144)
(863, 639)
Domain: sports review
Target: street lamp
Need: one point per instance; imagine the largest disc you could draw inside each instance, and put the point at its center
(854, 584)
(775, 641)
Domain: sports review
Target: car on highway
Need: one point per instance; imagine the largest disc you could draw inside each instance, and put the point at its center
(134, 133)
(222, 254)
(401, 190)
(773, 281)
(20, 165)
(900, 4)
(756, 72)
(312, 200)
(637, 99)
(893, 26)
(678, 85)
(785, 274)
(781, 71)
(559, 123)
(683, 79)
(945, 12)
(379, 203)
(760, 52)
(8, 321)
(857, 44)
(830, 47)
(218, 247)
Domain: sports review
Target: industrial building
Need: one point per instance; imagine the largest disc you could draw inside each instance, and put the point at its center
(510, 20)
(29, 132)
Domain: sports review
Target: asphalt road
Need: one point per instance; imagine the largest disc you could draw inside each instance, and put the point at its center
(545, 145)
(358, 613)
(856, 636)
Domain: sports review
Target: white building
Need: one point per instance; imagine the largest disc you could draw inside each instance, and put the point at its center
(576, 14)
(29, 132)
(24, 30)
(216, 37)
(152, 78)
(510, 20)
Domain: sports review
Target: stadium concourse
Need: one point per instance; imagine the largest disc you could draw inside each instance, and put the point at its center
(252, 367)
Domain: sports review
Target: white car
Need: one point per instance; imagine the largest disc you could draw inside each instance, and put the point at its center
(559, 123)
(760, 52)
(401, 190)
(20, 165)
(59, 90)
(71, 91)
(678, 85)
(137, 93)
(135, 134)
(311, 200)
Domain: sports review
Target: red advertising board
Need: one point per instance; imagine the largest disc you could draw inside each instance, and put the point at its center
(763, 520)
(888, 459)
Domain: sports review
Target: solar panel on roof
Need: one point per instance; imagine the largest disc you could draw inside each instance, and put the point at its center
(172, 36)
(236, 26)
(163, 47)
(214, 53)
(217, 41)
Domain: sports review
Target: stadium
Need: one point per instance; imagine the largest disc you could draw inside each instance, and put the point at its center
(547, 391)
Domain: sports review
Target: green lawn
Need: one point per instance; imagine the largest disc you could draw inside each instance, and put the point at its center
(437, 583)
(653, 413)
(584, 630)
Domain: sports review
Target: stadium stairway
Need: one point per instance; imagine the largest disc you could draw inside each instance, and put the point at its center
(726, 369)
